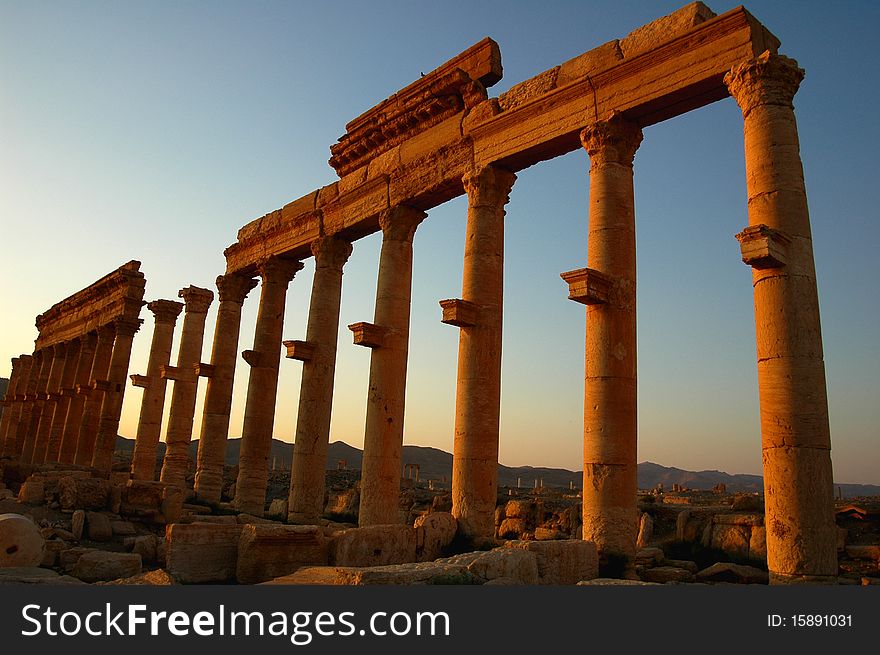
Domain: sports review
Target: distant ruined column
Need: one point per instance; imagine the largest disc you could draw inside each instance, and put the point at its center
(20, 419)
(111, 408)
(37, 396)
(62, 402)
(50, 398)
(143, 460)
(264, 359)
(479, 316)
(177, 460)
(233, 289)
(9, 403)
(94, 395)
(388, 336)
(610, 511)
(308, 469)
(70, 434)
(795, 434)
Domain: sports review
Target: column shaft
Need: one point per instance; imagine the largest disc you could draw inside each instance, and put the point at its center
(383, 434)
(37, 403)
(478, 392)
(50, 400)
(67, 452)
(20, 419)
(94, 395)
(308, 469)
(62, 403)
(9, 402)
(232, 290)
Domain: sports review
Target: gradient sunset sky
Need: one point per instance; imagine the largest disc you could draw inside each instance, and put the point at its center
(154, 130)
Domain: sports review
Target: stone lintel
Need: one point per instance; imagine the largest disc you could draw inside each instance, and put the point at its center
(84, 389)
(142, 381)
(368, 334)
(587, 286)
(204, 370)
(53, 396)
(252, 357)
(42, 396)
(68, 392)
(763, 247)
(459, 313)
(168, 372)
(304, 351)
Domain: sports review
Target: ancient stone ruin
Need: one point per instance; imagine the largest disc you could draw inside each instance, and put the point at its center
(438, 138)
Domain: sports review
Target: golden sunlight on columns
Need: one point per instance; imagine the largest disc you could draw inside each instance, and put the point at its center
(9, 403)
(318, 352)
(63, 396)
(67, 452)
(37, 396)
(15, 433)
(94, 394)
(795, 435)
(176, 464)
(259, 412)
(50, 399)
(143, 461)
(388, 336)
(478, 314)
(218, 396)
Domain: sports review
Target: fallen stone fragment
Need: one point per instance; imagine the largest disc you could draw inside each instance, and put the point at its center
(21, 543)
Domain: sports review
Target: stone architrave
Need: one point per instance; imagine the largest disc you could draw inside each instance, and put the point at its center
(8, 402)
(67, 452)
(232, 290)
(50, 400)
(111, 407)
(259, 414)
(62, 403)
(795, 433)
(383, 434)
(478, 393)
(610, 512)
(37, 397)
(176, 464)
(306, 499)
(94, 395)
(143, 460)
(21, 411)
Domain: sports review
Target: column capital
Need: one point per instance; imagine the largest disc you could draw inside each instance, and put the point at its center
(16, 361)
(127, 327)
(488, 187)
(612, 141)
(399, 223)
(196, 299)
(234, 287)
(331, 252)
(769, 79)
(88, 342)
(278, 270)
(165, 311)
(25, 358)
(106, 333)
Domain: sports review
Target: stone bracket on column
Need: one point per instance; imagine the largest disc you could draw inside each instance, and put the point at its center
(68, 392)
(459, 313)
(368, 334)
(177, 373)
(587, 286)
(252, 357)
(204, 370)
(304, 351)
(142, 381)
(83, 390)
(101, 385)
(763, 247)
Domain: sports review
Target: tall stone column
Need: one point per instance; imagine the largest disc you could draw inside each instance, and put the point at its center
(94, 395)
(50, 400)
(70, 434)
(143, 461)
(478, 393)
(308, 469)
(610, 512)
(26, 401)
(383, 434)
(186, 383)
(63, 396)
(259, 413)
(795, 434)
(11, 444)
(9, 402)
(111, 407)
(232, 289)
(37, 402)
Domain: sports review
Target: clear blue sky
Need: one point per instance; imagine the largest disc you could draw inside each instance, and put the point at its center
(154, 130)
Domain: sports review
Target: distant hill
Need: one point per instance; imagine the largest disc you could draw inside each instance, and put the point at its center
(436, 464)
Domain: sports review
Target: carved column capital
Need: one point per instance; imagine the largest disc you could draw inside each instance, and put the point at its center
(234, 287)
(127, 327)
(106, 333)
(88, 342)
(330, 252)
(278, 270)
(26, 359)
(767, 80)
(399, 223)
(613, 141)
(196, 299)
(488, 187)
(165, 311)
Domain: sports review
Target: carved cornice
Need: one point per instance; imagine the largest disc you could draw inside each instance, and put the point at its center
(234, 287)
(196, 299)
(613, 141)
(770, 79)
(331, 252)
(399, 223)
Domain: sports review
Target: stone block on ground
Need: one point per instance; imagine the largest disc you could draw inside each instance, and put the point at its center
(562, 562)
(32, 492)
(374, 545)
(646, 530)
(83, 493)
(277, 509)
(664, 574)
(515, 563)
(21, 544)
(202, 552)
(394, 574)
(123, 528)
(649, 557)
(147, 546)
(34, 575)
(758, 544)
(157, 578)
(271, 551)
(98, 527)
(549, 534)
(101, 565)
(78, 524)
(732, 539)
(729, 572)
(434, 533)
(512, 528)
(871, 552)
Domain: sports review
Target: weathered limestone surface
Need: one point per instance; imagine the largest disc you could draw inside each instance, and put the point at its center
(21, 367)
(99, 565)
(94, 395)
(76, 402)
(202, 552)
(21, 543)
(393, 574)
(562, 562)
(266, 552)
(49, 400)
(38, 402)
(66, 391)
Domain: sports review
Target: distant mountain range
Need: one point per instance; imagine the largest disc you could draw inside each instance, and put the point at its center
(436, 464)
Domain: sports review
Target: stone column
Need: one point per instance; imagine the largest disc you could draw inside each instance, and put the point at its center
(218, 396)
(111, 407)
(72, 421)
(795, 435)
(610, 512)
(62, 402)
(259, 413)
(37, 397)
(478, 391)
(306, 500)
(143, 461)
(94, 395)
(9, 401)
(186, 385)
(383, 434)
(20, 423)
(11, 444)
(50, 400)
